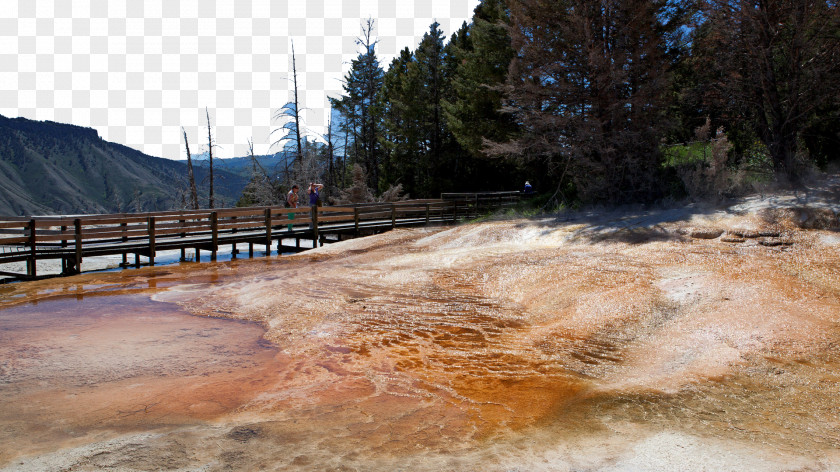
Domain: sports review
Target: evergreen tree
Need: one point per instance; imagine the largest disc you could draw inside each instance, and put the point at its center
(361, 107)
(589, 87)
(482, 53)
(429, 69)
(419, 145)
(774, 64)
(401, 136)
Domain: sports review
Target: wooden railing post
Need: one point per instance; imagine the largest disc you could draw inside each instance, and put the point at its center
(30, 262)
(123, 229)
(151, 223)
(268, 231)
(233, 249)
(427, 214)
(77, 232)
(63, 245)
(183, 235)
(314, 212)
(356, 220)
(214, 235)
(393, 215)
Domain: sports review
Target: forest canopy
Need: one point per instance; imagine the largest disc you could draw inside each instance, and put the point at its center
(606, 102)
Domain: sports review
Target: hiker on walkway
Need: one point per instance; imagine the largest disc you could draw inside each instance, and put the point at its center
(314, 194)
(292, 202)
(292, 197)
(528, 189)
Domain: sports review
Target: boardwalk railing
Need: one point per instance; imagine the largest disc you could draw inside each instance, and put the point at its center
(72, 238)
(478, 203)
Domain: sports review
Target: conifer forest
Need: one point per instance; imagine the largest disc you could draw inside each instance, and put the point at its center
(598, 102)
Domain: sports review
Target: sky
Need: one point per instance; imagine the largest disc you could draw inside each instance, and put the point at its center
(139, 70)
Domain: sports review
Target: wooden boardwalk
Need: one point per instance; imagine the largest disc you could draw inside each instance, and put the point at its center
(73, 238)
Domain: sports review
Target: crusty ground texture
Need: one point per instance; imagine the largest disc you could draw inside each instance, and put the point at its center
(690, 338)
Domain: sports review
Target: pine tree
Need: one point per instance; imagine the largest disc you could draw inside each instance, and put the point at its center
(589, 87)
(774, 64)
(417, 142)
(429, 67)
(360, 104)
(399, 135)
(482, 53)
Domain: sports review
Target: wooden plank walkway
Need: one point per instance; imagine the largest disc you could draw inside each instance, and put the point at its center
(73, 238)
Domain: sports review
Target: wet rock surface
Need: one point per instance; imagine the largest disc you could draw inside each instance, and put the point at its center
(606, 342)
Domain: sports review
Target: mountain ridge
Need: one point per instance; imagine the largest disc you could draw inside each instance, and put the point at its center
(56, 168)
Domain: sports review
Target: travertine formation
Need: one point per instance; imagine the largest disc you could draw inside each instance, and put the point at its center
(656, 340)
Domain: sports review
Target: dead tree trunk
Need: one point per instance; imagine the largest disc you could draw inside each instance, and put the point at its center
(297, 107)
(193, 191)
(210, 153)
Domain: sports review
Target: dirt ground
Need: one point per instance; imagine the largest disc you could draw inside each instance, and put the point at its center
(690, 338)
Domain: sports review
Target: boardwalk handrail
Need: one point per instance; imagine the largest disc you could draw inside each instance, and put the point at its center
(73, 237)
(476, 203)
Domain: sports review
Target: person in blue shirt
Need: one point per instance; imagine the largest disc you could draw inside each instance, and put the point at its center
(528, 188)
(314, 193)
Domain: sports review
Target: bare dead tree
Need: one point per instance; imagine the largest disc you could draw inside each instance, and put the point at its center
(254, 162)
(260, 190)
(297, 105)
(193, 191)
(292, 128)
(210, 153)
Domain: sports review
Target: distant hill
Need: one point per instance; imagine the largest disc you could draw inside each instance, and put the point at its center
(272, 163)
(54, 168)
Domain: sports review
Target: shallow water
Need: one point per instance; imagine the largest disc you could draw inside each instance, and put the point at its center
(78, 369)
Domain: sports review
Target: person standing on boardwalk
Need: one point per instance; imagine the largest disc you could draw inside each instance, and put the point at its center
(528, 189)
(292, 197)
(292, 201)
(314, 199)
(314, 194)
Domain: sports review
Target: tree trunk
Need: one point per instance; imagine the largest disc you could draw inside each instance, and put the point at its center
(193, 191)
(210, 153)
(297, 107)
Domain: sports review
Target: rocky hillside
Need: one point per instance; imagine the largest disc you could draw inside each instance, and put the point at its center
(54, 168)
